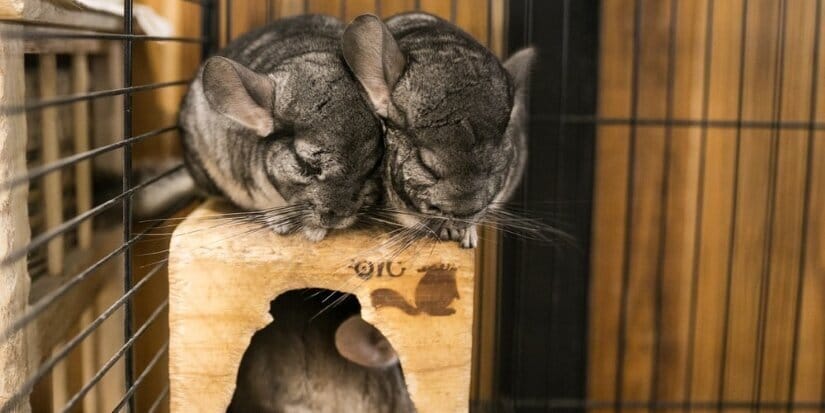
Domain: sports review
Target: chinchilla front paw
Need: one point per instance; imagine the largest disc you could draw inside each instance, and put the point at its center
(315, 234)
(469, 237)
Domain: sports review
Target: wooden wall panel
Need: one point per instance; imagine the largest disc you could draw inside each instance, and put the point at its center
(714, 225)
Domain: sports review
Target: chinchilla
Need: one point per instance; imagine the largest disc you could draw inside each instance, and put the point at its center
(276, 123)
(311, 360)
(455, 117)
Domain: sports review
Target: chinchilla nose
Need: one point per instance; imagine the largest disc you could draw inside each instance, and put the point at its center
(329, 216)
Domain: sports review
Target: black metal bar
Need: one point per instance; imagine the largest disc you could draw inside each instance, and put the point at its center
(161, 397)
(377, 7)
(128, 360)
(105, 315)
(228, 21)
(417, 5)
(770, 210)
(700, 197)
(210, 28)
(35, 173)
(89, 96)
(734, 207)
(705, 123)
(131, 392)
(658, 291)
(45, 237)
(806, 205)
(72, 35)
(628, 224)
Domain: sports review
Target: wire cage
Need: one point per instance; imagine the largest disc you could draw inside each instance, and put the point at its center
(680, 143)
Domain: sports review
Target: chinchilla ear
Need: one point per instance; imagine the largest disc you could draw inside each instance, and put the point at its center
(239, 93)
(373, 55)
(519, 66)
(361, 343)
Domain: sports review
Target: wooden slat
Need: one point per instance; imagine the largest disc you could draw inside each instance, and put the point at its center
(810, 363)
(50, 152)
(80, 125)
(809, 381)
(330, 7)
(609, 211)
(786, 231)
(471, 15)
(393, 7)
(609, 207)
(753, 198)
(646, 207)
(355, 8)
(676, 262)
(288, 8)
(711, 265)
(440, 8)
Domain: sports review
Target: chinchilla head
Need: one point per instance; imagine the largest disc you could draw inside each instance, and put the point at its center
(448, 105)
(318, 141)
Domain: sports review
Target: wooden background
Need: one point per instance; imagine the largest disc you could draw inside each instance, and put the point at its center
(708, 273)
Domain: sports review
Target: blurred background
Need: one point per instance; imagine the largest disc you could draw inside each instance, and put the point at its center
(680, 143)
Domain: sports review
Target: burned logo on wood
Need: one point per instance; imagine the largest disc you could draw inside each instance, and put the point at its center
(434, 293)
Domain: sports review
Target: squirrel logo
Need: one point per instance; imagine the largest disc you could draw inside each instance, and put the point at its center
(433, 295)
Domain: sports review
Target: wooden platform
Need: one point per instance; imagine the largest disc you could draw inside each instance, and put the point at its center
(222, 279)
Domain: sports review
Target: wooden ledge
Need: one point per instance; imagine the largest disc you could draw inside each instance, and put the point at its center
(222, 279)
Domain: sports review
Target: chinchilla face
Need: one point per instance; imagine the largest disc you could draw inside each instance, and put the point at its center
(302, 129)
(452, 116)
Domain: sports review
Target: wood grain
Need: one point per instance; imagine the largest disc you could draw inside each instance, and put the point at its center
(221, 285)
(15, 353)
(722, 220)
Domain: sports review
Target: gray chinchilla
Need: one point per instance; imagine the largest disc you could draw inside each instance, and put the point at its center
(276, 124)
(311, 360)
(456, 119)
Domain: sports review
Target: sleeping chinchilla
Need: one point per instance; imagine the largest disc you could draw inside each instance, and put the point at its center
(276, 124)
(456, 120)
(311, 360)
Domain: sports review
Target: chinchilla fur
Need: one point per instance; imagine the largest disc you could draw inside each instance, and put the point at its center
(276, 123)
(455, 116)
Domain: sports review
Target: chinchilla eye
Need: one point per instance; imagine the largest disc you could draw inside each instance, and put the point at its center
(428, 161)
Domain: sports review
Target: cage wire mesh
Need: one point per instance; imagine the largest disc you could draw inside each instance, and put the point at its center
(705, 284)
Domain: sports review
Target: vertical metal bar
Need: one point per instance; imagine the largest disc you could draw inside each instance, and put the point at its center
(127, 200)
(377, 7)
(228, 18)
(628, 237)
(734, 207)
(527, 35)
(770, 211)
(658, 299)
(565, 52)
(803, 254)
(697, 237)
(209, 28)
